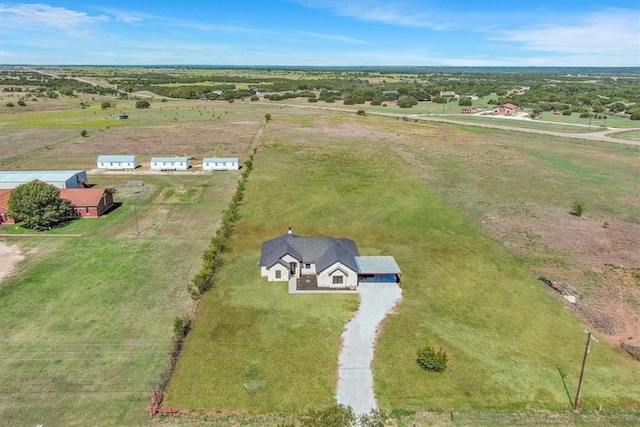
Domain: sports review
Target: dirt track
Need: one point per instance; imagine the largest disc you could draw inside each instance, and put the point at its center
(592, 136)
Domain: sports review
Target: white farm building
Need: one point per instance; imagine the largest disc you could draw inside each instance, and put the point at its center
(117, 162)
(60, 179)
(220, 164)
(170, 163)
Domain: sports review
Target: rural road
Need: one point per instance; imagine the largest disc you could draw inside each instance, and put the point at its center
(591, 136)
(355, 379)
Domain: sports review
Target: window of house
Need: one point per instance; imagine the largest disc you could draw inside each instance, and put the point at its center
(307, 266)
(278, 274)
(338, 280)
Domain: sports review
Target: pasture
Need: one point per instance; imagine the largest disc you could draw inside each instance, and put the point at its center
(510, 341)
(87, 321)
(472, 216)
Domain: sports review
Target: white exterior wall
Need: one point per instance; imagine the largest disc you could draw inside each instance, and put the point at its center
(270, 273)
(325, 279)
(117, 165)
(289, 259)
(220, 166)
(177, 166)
(307, 271)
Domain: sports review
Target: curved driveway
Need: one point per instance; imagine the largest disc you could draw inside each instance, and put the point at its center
(355, 379)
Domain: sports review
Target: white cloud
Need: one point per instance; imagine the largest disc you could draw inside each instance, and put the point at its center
(333, 37)
(42, 16)
(128, 18)
(403, 14)
(611, 31)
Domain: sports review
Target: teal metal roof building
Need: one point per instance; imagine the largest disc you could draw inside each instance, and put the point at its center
(60, 179)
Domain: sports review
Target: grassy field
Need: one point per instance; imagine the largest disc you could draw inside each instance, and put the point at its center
(509, 342)
(86, 323)
(91, 342)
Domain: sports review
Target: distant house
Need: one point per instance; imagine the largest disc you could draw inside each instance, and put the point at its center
(448, 94)
(170, 163)
(506, 110)
(117, 162)
(88, 202)
(60, 179)
(323, 263)
(469, 110)
(220, 164)
(123, 117)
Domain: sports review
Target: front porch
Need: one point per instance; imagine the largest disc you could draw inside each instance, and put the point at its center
(309, 284)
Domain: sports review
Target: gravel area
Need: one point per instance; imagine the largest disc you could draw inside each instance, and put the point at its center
(355, 379)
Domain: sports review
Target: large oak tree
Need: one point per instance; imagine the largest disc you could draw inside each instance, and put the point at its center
(37, 205)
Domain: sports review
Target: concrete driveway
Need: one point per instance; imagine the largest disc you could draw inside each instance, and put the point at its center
(355, 379)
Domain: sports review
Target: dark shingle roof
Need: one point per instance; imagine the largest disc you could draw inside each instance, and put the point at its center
(322, 251)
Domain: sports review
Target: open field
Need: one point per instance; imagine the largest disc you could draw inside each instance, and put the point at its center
(86, 324)
(510, 341)
(445, 200)
(87, 318)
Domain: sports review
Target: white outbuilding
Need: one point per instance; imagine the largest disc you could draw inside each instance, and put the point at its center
(117, 162)
(220, 164)
(170, 163)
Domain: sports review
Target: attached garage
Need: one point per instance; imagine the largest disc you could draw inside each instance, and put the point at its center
(378, 269)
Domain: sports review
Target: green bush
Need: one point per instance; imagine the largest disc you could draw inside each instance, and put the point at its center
(566, 113)
(430, 360)
(361, 113)
(255, 98)
(142, 104)
(577, 208)
(333, 416)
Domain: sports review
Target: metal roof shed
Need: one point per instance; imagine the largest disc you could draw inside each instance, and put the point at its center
(378, 269)
(60, 179)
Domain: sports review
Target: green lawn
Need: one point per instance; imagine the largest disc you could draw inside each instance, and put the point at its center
(86, 325)
(256, 349)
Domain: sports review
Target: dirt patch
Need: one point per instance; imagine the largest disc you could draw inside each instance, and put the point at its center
(10, 255)
(213, 138)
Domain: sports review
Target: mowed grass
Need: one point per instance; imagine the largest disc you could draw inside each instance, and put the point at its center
(256, 349)
(87, 322)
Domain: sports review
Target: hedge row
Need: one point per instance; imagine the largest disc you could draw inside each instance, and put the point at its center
(212, 259)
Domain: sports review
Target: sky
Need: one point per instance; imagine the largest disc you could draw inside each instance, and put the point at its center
(322, 32)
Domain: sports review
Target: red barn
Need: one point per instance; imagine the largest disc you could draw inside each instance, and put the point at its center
(4, 207)
(88, 202)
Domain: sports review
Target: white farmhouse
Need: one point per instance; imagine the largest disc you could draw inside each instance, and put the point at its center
(324, 261)
(170, 163)
(117, 162)
(220, 164)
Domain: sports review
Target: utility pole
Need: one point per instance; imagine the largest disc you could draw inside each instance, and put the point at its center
(135, 211)
(587, 350)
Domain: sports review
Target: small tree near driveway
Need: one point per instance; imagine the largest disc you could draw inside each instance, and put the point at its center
(37, 205)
